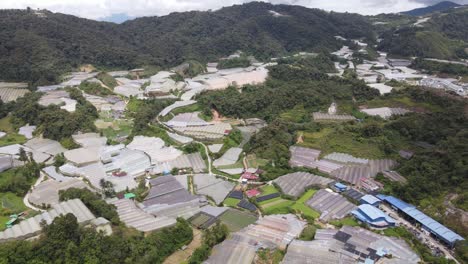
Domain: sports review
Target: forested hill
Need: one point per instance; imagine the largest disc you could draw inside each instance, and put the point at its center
(442, 6)
(39, 49)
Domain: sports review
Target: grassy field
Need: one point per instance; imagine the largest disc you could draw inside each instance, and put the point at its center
(329, 140)
(277, 206)
(12, 137)
(349, 221)
(404, 102)
(300, 205)
(268, 189)
(235, 220)
(9, 204)
(296, 115)
(232, 202)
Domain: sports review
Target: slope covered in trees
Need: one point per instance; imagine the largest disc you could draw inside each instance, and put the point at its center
(443, 35)
(64, 241)
(40, 49)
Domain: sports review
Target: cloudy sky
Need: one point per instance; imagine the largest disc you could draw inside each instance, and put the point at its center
(99, 9)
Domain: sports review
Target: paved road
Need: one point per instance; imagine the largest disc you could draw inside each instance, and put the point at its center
(26, 198)
(429, 239)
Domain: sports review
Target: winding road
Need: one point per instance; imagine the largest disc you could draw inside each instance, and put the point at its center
(26, 197)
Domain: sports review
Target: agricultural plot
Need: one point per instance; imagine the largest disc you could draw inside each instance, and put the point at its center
(199, 219)
(294, 184)
(211, 186)
(300, 205)
(268, 189)
(277, 206)
(394, 176)
(235, 220)
(11, 94)
(353, 174)
(231, 202)
(328, 117)
(385, 112)
(303, 157)
(331, 205)
(9, 204)
(12, 137)
(330, 140)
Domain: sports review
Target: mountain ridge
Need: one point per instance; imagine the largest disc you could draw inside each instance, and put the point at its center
(441, 6)
(40, 49)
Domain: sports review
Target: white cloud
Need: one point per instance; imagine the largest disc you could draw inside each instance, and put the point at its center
(96, 9)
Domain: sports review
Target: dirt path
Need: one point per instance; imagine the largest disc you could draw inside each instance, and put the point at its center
(181, 255)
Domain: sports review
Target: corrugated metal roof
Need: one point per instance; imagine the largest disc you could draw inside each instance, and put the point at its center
(370, 199)
(433, 226)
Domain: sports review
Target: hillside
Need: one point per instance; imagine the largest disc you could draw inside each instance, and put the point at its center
(442, 6)
(442, 35)
(39, 49)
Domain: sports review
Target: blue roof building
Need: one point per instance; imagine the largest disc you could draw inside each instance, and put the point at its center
(340, 187)
(370, 199)
(373, 216)
(437, 229)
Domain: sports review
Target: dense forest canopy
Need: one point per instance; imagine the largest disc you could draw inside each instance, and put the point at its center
(40, 49)
(291, 83)
(64, 241)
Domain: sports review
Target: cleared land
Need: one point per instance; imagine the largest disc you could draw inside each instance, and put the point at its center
(330, 140)
(182, 255)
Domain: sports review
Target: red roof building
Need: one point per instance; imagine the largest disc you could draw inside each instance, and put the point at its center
(252, 193)
(249, 176)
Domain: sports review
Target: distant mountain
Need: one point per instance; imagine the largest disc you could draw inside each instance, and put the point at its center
(442, 6)
(117, 18)
(40, 48)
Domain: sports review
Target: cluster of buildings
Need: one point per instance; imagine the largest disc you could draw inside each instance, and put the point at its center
(341, 166)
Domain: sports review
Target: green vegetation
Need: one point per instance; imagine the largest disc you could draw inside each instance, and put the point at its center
(10, 203)
(12, 137)
(411, 41)
(268, 189)
(420, 248)
(235, 220)
(270, 256)
(231, 141)
(189, 69)
(51, 121)
(277, 206)
(212, 236)
(95, 88)
(288, 87)
(164, 41)
(145, 112)
(107, 80)
(308, 233)
(300, 206)
(232, 202)
(240, 62)
(19, 180)
(348, 221)
(93, 201)
(64, 241)
(441, 68)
